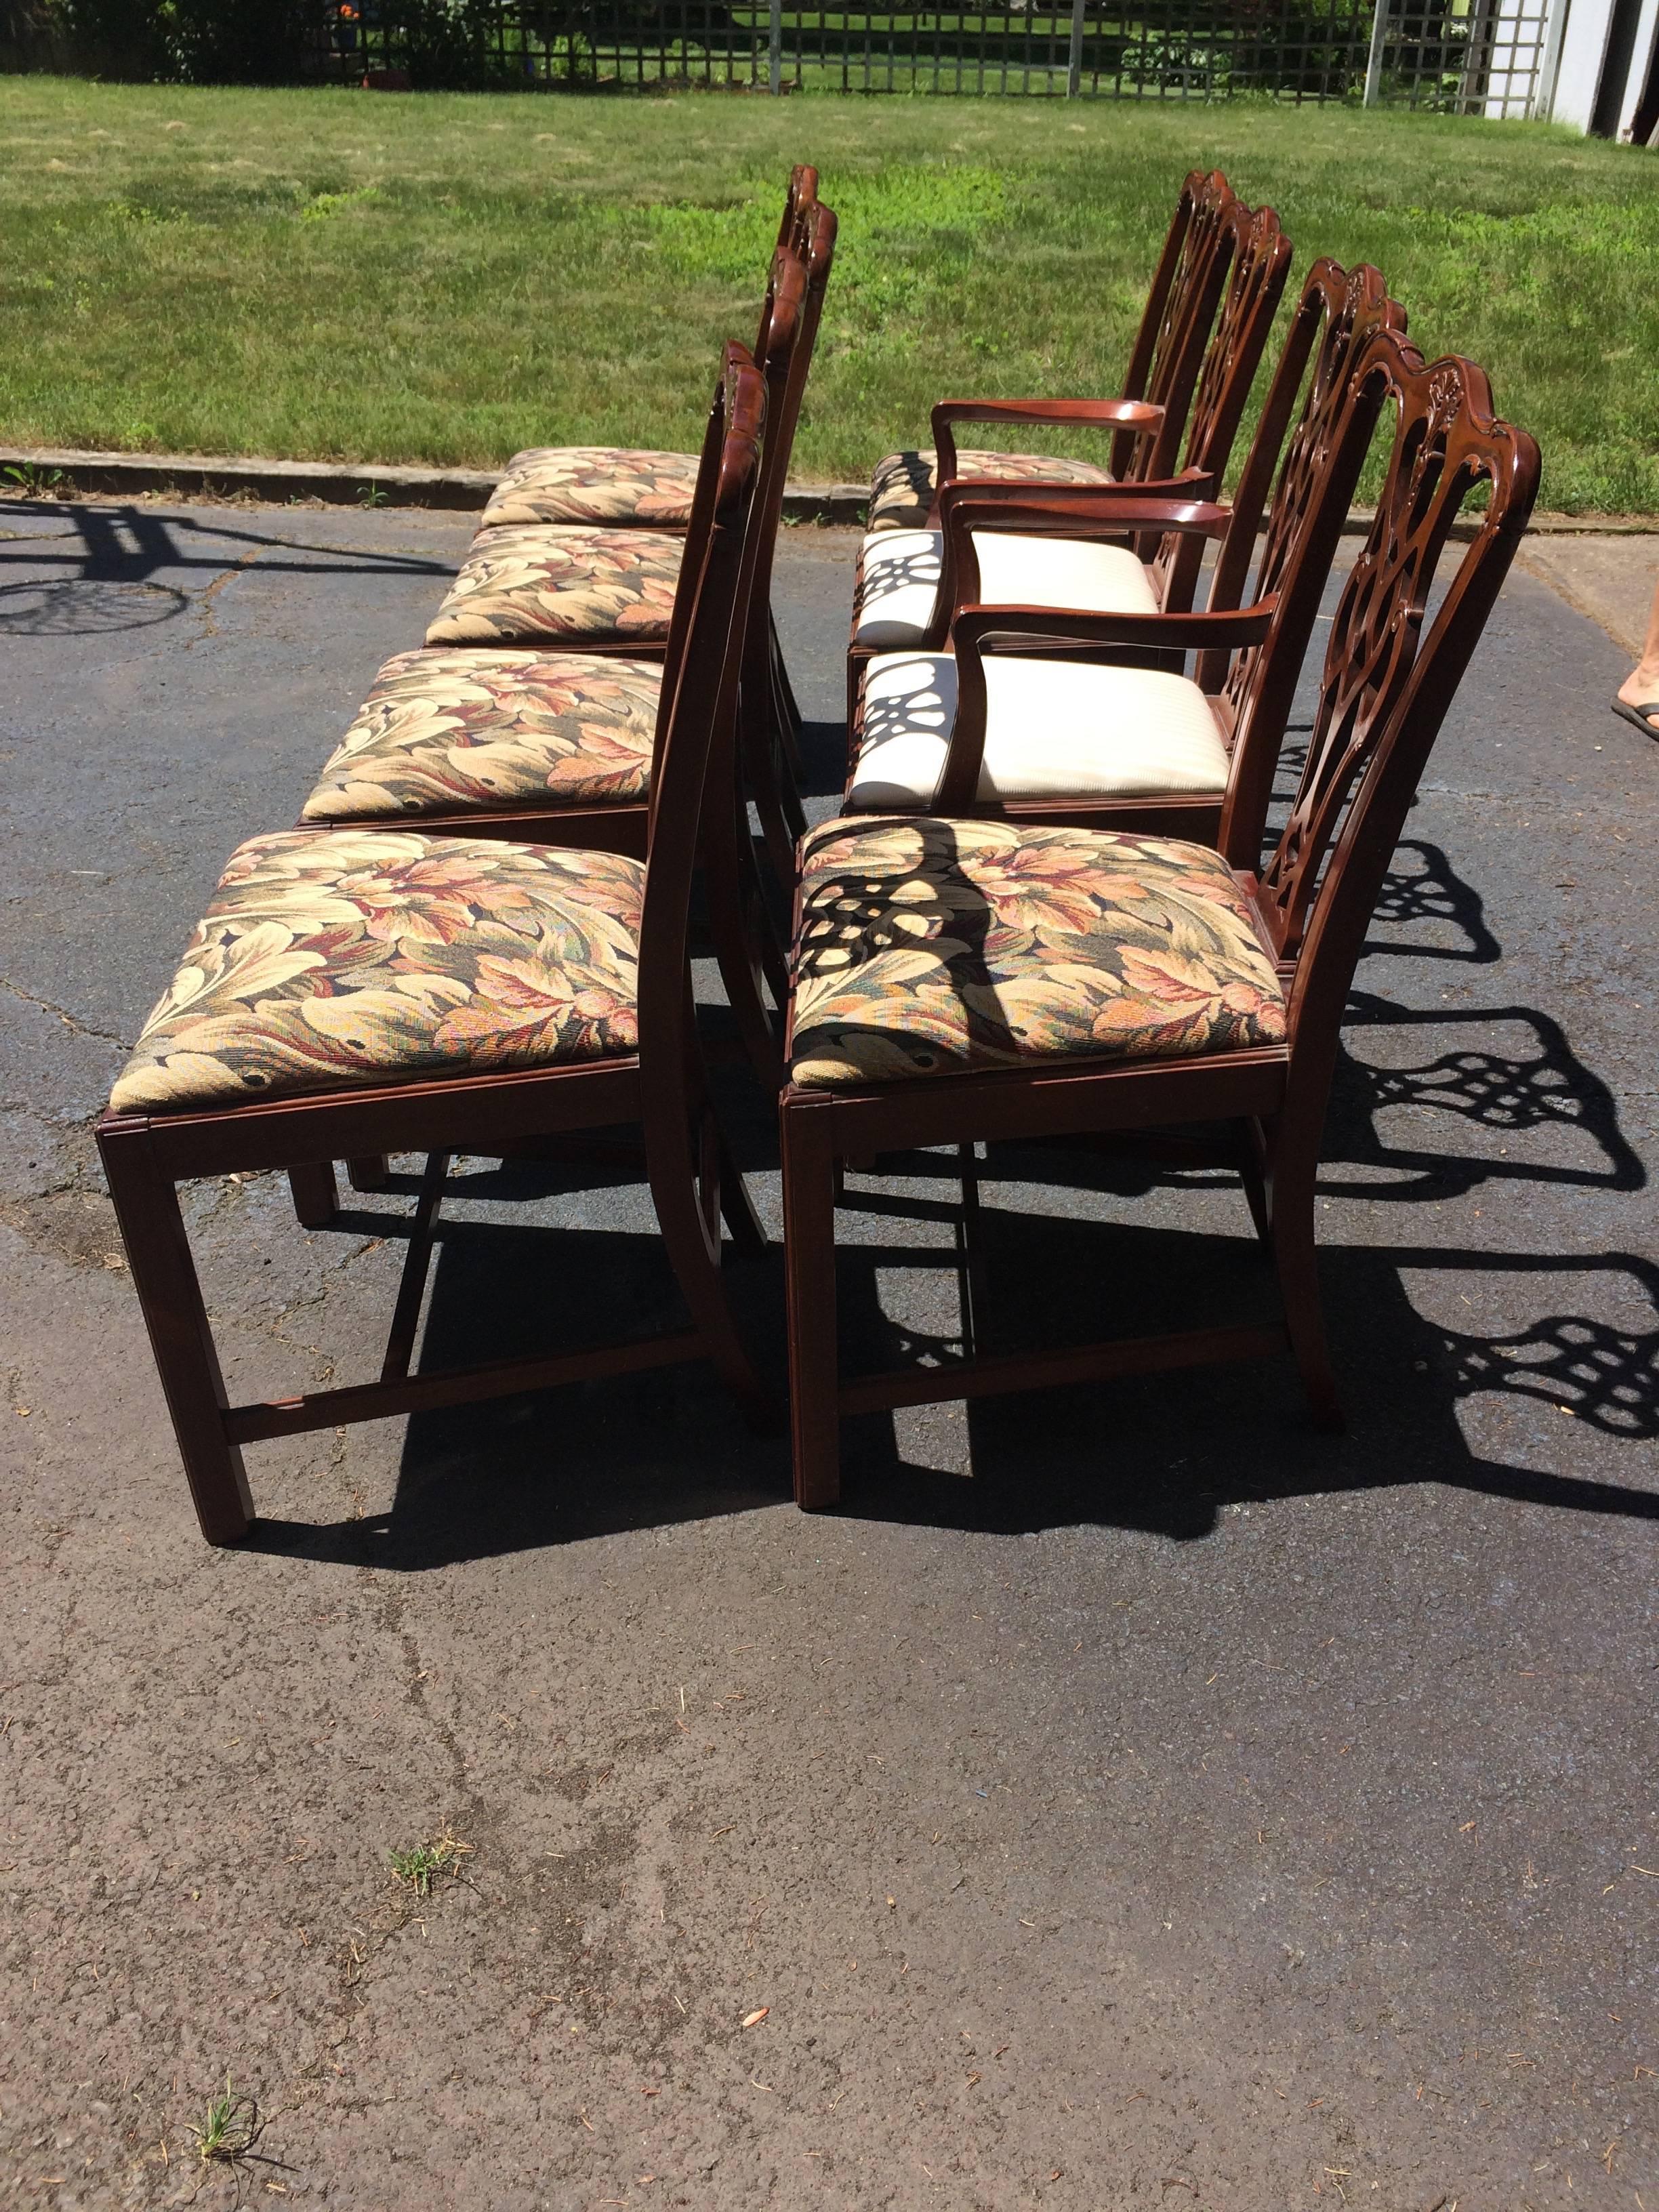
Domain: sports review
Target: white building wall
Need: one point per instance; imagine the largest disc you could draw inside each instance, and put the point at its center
(1583, 50)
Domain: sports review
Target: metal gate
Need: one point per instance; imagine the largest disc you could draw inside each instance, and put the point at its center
(1463, 57)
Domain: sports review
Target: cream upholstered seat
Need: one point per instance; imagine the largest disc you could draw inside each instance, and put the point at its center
(901, 568)
(1054, 729)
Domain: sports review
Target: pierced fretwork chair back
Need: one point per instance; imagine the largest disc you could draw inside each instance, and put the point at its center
(800, 275)
(1165, 366)
(1320, 466)
(1261, 262)
(1337, 312)
(1387, 685)
(735, 360)
(793, 243)
(783, 328)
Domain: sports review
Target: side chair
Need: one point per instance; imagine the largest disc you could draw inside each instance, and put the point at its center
(566, 588)
(354, 992)
(966, 981)
(621, 487)
(1077, 716)
(1146, 420)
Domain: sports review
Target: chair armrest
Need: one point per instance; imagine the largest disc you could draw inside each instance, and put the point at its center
(1080, 511)
(1112, 414)
(1191, 485)
(975, 627)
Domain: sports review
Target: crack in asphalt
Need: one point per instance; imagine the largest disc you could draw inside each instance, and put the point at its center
(209, 629)
(69, 1021)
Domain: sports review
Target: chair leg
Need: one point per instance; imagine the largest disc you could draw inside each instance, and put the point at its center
(170, 1296)
(696, 1264)
(1251, 1168)
(315, 1199)
(1291, 1203)
(744, 1225)
(372, 1172)
(809, 1242)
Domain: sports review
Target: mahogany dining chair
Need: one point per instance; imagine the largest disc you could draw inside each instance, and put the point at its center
(960, 980)
(352, 992)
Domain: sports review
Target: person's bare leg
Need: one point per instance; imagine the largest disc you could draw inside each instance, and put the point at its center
(1641, 687)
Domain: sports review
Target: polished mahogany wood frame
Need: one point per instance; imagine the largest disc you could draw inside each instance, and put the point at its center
(660, 1086)
(1384, 694)
(1249, 659)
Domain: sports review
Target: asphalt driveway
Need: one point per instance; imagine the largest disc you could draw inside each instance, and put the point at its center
(1129, 1798)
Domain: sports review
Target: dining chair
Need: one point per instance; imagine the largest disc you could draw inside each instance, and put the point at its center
(1076, 716)
(906, 586)
(964, 981)
(622, 487)
(353, 993)
(1146, 420)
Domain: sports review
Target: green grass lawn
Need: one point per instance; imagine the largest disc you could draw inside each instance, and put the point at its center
(442, 278)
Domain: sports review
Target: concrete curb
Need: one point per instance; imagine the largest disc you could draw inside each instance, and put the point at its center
(45, 471)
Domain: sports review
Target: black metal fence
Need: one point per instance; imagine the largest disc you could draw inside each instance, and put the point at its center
(1458, 56)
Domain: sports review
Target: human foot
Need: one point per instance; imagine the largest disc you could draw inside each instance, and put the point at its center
(1637, 700)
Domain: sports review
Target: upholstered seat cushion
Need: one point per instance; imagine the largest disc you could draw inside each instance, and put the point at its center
(561, 586)
(332, 958)
(442, 731)
(1054, 729)
(615, 485)
(932, 947)
(899, 572)
(903, 488)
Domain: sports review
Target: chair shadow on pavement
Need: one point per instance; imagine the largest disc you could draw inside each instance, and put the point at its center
(1429, 1105)
(112, 556)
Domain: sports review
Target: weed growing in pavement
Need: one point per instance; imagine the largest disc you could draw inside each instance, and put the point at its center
(231, 2128)
(32, 481)
(429, 1862)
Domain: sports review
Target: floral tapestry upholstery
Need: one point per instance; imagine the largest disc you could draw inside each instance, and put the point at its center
(902, 488)
(932, 947)
(441, 733)
(561, 586)
(329, 959)
(610, 484)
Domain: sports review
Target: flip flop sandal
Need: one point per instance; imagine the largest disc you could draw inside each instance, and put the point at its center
(1637, 716)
